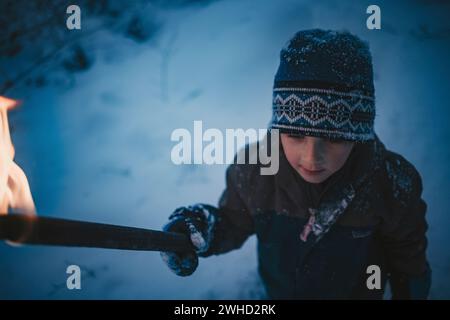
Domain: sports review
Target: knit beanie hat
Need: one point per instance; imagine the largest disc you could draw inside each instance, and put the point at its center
(324, 87)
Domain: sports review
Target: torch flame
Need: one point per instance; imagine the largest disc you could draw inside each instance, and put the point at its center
(15, 192)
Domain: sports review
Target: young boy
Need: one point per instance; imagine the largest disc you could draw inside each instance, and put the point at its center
(340, 201)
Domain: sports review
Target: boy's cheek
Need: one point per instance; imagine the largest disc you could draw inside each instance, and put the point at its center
(337, 161)
(291, 152)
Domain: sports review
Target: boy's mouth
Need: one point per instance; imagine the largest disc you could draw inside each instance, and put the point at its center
(311, 172)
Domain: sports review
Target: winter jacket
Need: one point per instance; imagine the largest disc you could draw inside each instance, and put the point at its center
(370, 212)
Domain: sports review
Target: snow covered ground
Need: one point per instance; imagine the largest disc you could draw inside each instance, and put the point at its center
(100, 150)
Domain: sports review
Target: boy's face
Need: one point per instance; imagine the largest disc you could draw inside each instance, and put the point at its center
(315, 159)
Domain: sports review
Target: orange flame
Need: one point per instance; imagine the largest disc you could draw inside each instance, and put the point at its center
(15, 192)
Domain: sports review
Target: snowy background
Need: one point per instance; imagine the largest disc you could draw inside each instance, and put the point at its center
(95, 144)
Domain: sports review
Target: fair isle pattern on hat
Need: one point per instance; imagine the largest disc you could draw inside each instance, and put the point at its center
(324, 87)
(322, 112)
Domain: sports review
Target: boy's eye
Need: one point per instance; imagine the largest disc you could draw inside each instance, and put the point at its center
(336, 140)
(296, 136)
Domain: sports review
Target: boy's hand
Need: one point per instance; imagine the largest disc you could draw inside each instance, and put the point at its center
(196, 221)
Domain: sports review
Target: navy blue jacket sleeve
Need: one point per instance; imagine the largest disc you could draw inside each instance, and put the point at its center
(234, 224)
(404, 233)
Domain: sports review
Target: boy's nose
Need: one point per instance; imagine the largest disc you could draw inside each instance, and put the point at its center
(313, 152)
